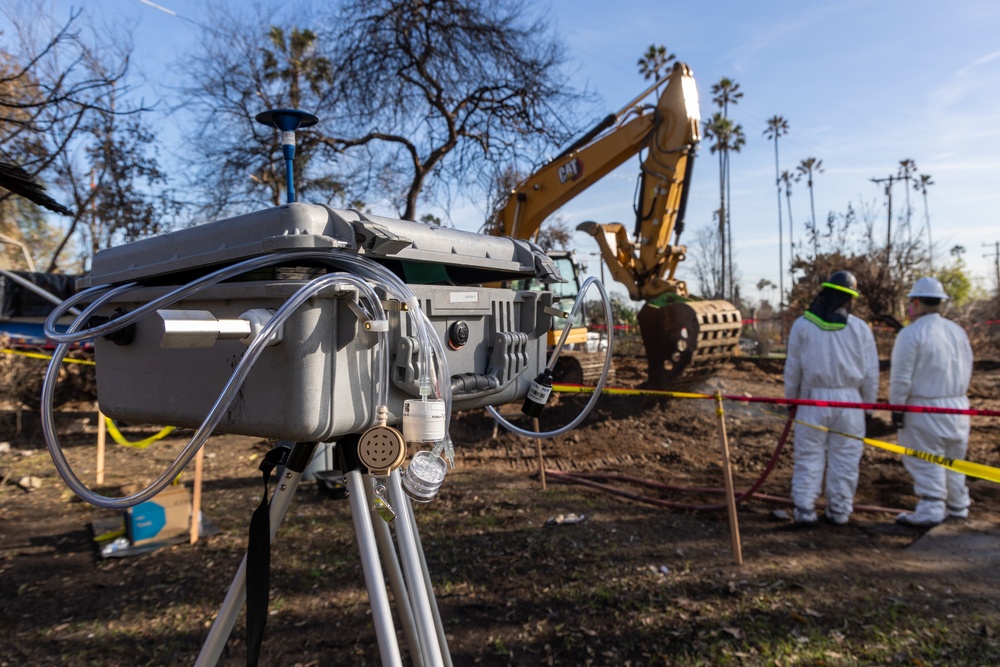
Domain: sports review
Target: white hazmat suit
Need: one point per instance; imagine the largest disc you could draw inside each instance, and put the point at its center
(839, 365)
(932, 366)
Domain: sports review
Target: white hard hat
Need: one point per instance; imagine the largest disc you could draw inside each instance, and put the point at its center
(928, 287)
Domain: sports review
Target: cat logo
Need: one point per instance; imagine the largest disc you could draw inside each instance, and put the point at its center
(571, 171)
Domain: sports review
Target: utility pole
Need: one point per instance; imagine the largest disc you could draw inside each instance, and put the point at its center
(907, 168)
(888, 192)
(996, 262)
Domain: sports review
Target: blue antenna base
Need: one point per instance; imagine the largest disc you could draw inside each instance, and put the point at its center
(286, 120)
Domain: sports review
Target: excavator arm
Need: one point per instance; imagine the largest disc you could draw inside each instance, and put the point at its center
(668, 133)
(677, 330)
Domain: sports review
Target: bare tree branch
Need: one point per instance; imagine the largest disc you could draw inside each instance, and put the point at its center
(415, 99)
(58, 113)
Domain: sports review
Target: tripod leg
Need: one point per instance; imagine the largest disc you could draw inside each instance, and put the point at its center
(385, 631)
(411, 568)
(387, 549)
(288, 481)
(438, 625)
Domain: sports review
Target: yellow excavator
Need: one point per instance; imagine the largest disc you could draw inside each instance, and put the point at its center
(682, 334)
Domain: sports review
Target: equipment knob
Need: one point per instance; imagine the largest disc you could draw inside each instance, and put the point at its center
(458, 335)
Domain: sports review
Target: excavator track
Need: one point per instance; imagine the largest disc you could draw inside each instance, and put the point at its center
(686, 340)
(578, 367)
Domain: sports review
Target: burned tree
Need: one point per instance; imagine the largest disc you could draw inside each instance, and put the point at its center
(59, 95)
(416, 100)
(445, 87)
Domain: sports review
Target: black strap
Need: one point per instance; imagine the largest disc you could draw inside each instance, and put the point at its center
(258, 571)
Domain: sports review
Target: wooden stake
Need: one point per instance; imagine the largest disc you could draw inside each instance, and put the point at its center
(199, 466)
(102, 431)
(538, 448)
(727, 471)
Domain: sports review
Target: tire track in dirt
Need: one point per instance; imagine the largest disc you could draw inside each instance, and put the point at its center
(524, 458)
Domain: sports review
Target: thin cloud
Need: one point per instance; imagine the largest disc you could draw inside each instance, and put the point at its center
(967, 82)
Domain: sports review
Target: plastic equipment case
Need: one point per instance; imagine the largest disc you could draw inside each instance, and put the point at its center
(317, 383)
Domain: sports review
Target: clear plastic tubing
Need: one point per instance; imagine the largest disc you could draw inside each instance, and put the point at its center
(253, 352)
(225, 273)
(422, 325)
(600, 382)
(393, 284)
(427, 338)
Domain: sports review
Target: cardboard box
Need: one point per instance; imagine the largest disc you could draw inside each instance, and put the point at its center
(167, 515)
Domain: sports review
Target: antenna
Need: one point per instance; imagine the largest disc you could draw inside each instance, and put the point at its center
(287, 121)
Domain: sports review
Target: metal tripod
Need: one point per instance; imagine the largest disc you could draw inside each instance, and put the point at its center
(407, 569)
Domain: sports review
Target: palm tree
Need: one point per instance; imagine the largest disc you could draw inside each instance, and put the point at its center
(737, 140)
(921, 184)
(295, 61)
(655, 60)
(727, 92)
(807, 168)
(787, 178)
(765, 284)
(907, 170)
(717, 128)
(777, 127)
(728, 137)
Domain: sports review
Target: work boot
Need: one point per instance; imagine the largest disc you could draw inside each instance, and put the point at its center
(958, 514)
(928, 513)
(805, 517)
(836, 518)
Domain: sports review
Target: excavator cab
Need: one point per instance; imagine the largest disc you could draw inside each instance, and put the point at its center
(582, 357)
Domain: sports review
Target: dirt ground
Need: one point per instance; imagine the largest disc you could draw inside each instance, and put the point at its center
(632, 583)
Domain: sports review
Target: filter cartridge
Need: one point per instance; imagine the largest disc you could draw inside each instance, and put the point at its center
(423, 420)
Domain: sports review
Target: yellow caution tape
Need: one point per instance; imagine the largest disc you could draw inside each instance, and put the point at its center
(104, 537)
(968, 468)
(39, 355)
(615, 391)
(141, 444)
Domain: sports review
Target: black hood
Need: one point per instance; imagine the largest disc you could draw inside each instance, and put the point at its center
(829, 310)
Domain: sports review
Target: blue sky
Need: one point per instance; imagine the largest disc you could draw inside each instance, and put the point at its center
(862, 84)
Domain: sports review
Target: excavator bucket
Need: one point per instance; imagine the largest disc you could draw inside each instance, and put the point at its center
(685, 341)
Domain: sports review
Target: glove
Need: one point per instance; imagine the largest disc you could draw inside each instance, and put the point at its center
(897, 419)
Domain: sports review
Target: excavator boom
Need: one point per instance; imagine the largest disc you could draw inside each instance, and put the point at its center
(678, 329)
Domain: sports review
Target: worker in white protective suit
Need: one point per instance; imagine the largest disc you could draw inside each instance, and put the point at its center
(932, 366)
(831, 357)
